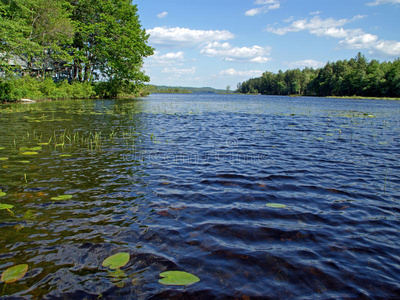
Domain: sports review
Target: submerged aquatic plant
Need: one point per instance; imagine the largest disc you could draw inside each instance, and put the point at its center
(178, 278)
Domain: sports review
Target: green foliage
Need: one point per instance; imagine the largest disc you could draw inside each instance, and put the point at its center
(109, 43)
(7, 91)
(37, 89)
(351, 77)
(168, 90)
(82, 40)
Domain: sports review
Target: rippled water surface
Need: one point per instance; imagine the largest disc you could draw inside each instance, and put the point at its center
(182, 182)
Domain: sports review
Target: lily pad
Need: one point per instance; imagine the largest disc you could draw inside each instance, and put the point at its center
(6, 206)
(2, 194)
(276, 205)
(14, 274)
(29, 153)
(178, 278)
(61, 197)
(35, 148)
(116, 261)
(2, 148)
(24, 161)
(65, 155)
(3, 158)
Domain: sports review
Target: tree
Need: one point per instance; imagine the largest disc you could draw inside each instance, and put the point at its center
(34, 31)
(51, 30)
(109, 43)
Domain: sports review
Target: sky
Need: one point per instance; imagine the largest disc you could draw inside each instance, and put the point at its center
(219, 43)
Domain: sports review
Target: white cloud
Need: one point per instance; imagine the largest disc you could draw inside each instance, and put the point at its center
(256, 54)
(233, 72)
(267, 5)
(350, 38)
(361, 41)
(185, 37)
(316, 25)
(391, 48)
(172, 58)
(381, 2)
(162, 15)
(176, 71)
(304, 63)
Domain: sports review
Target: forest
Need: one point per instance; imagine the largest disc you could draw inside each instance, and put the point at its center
(354, 77)
(81, 41)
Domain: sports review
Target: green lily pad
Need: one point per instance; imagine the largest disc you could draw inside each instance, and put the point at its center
(29, 153)
(35, 148)
(3, 158)
(178, 278)
(6, 206)
(14, 274)
(2, 148)
(61, 197)
(116, 261)
(276, 205)
(65, 155)
(2, 194)
(24, 161)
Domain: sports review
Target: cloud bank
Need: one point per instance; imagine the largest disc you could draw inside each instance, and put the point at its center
(227, 52)
(350, 38)
(185, 37)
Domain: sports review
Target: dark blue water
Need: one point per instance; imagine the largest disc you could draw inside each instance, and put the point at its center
(182, 182)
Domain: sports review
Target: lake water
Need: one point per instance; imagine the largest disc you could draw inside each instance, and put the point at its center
(261, 197)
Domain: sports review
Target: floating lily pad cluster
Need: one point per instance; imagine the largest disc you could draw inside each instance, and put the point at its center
(119, 260)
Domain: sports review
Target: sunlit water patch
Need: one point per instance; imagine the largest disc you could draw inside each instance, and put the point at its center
(200, 197)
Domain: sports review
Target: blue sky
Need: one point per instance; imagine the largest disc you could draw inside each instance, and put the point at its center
(216, 43)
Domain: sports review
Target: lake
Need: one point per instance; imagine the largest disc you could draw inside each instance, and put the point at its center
(260, 197)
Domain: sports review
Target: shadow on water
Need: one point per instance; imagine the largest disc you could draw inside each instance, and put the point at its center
(259, 197)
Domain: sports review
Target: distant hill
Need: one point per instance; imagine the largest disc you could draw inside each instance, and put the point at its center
(182, 89)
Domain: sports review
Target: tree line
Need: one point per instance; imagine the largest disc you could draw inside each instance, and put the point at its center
(351, 77)
(85, 41)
